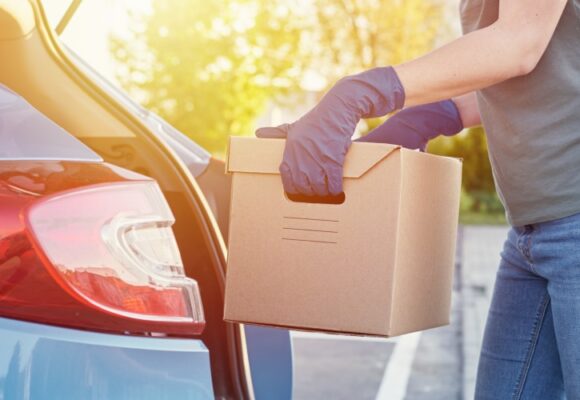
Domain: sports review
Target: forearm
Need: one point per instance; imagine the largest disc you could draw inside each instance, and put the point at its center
(510, 47)
(468, 109)
(474, 61)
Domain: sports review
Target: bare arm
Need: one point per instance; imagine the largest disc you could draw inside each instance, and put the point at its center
(510, 47)
(468, 109)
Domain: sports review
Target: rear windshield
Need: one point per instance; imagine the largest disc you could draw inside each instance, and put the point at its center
(26, 134)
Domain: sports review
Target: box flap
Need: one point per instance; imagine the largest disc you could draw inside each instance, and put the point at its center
(253, 155)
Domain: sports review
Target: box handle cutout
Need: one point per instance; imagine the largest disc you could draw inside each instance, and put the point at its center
(302, 198)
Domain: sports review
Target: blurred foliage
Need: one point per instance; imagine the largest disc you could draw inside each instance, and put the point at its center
(479, 201)
(210, 67)
(471, 146)
(354, 35)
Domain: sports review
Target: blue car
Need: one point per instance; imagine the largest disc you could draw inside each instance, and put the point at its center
(113, 229)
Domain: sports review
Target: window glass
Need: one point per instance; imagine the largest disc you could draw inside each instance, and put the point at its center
(26, 134)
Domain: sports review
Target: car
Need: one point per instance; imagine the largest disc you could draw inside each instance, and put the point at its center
(113, 242)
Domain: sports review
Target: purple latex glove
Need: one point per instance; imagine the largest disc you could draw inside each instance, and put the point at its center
(413, 127)
(317, 143)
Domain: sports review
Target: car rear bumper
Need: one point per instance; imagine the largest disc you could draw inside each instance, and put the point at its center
(45, 362)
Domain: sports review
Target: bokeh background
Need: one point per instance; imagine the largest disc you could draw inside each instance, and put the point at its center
(215, 68)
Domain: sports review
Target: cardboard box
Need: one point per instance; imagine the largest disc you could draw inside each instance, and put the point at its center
(381, 263)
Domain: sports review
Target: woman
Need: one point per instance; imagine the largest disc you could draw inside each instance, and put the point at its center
(516, 69)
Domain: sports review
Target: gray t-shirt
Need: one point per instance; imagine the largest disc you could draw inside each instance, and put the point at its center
(533, 123)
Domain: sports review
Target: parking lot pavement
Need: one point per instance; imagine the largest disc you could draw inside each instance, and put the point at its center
(438, 364)
(338, 367)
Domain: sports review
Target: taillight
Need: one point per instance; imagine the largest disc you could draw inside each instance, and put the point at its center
(111, 251)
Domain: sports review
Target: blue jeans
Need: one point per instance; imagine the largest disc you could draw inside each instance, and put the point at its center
(531, 345)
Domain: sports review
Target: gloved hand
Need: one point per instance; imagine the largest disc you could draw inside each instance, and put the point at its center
(413, 127)
(317, 143)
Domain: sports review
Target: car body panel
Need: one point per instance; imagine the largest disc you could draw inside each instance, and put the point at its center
(44, 362)
(40, 361)
(270, 357)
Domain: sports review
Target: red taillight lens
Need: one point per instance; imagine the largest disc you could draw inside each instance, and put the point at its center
(111, 249)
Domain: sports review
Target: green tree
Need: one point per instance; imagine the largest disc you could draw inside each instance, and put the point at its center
(209, 67)
(471, 146)
(354, 35)
(478, 186)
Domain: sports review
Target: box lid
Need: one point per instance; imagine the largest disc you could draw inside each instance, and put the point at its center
(253, 155)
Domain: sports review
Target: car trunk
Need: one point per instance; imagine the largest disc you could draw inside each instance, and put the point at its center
(41, 71)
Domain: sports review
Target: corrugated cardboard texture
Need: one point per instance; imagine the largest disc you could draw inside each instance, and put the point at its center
(339, 267)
